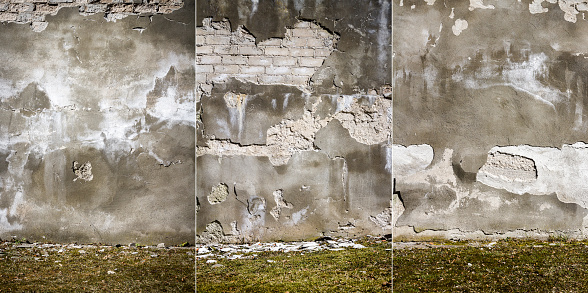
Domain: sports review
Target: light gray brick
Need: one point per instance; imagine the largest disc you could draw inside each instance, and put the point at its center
(315, 43)
(271, 42)
(202, 31)
(277, 70)
(322, 52)
(272, 51)
(201, 78)
(219, 77)
(305, 71)
(297, 80)
(234, 60)
(303, 32)
(298, 42)
(298, 52)
(252, 69)
(310, 62)
(229, 69)
(200, 50)
(255, 60)
(210, 59)
(226, 50)
(204, 68)
(200, 40)
(249, 50)
(247, 77)
(284, 61)
(217, 40)
(302, 24)
(271, 79)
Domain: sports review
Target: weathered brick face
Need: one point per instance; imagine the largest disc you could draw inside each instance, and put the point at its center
(292, 60)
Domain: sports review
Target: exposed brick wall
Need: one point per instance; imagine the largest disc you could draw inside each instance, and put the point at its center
(34, 12)
(292, 60)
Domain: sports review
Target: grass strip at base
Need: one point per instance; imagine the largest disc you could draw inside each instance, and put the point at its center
(96, 270)
(349, 270)
(508, 266)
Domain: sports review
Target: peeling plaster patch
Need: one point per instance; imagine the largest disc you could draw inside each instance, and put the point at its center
(367, 123)
(297, 216)
(452, 14)
(280, 203)
(397, 209)
(509, 167)
(83, 172)
(256, 205)
(36, 12)
(409, 160)
(213, 234)
(558, 171)
(479, 4)
(385, 218)
(459, 26)
(218, 194)
(439, 173)
(535, 7)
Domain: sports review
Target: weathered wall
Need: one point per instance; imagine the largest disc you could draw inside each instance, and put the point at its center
(294, 119)
(489, 119)
(97, 132)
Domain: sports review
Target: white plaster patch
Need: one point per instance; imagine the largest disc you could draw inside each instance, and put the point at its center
(297, 216)
(536, 7)
(409, 160)
(430, 2)
(563, 172)
(459, 26)
(479, 4)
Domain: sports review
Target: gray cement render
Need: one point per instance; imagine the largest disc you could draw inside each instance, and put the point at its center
(496, 90)
(277, 115)
(97, 129)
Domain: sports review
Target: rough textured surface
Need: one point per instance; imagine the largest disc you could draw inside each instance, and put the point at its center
(35, 12)
(504, 113)
(295, 117)
(97, 128)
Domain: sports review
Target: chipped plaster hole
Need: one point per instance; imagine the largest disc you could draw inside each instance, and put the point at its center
(83, 171)
(212, 234)
(280, 203)
(256, 206)
(234, 229)
(218, 194)
(459, 26)
(233, 100)
(509, 167)
(346, 226)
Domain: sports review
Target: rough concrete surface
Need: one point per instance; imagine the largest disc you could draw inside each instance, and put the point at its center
(97, 123)
(294, 116)
(489, 121)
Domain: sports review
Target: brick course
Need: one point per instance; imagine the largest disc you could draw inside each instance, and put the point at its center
(291, 60)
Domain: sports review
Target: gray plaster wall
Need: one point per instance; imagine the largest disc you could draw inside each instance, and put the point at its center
(97, 122)
(489, 119)
(293, 119)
